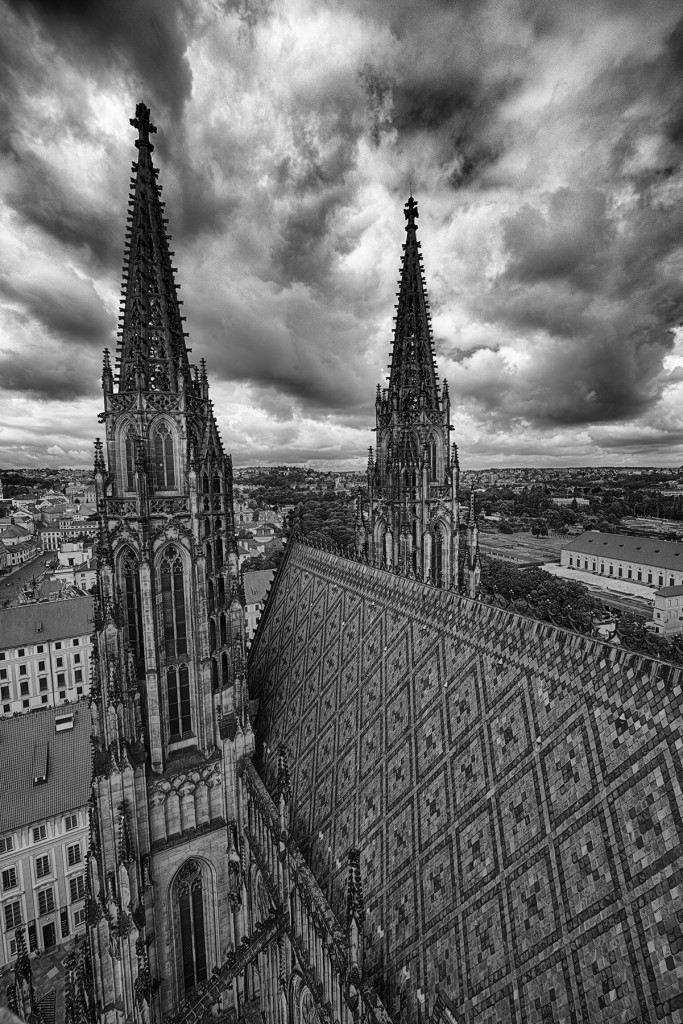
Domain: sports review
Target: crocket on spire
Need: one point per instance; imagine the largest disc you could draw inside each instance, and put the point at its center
(152, 352)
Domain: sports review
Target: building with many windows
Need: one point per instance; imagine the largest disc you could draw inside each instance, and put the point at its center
(45, 766)
(647, 560)
(45, 654)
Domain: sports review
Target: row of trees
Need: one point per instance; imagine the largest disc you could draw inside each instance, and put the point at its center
(566, 603)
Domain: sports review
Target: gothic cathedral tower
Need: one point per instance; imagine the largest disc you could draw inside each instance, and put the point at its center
(170, 704)
(413, 509)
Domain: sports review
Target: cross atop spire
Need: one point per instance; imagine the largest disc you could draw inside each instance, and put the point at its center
(410, 211)
(143, 124)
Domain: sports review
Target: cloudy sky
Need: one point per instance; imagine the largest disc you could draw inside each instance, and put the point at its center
(544, 143)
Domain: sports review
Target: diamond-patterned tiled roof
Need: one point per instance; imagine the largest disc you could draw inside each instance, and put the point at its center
(31, 739)
(514, 790)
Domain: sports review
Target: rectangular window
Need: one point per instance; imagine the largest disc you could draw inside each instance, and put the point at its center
(41, 666)
(640, 575)
(75, 642)
(571, 560)
(4, 693)
(77, 659)
(671, 581)
(23, 670)
(46, 901)
(60, 663)
(79, 917)
(42, 683)
(23, 688)
(21, 652)
(64, 922)
(12, 915)
(78, 675)
(6, 844)
(3, 673)
(77, 888)
(58, 645)
(9, 879)
(73, 854)
(39, 833)
(42, 866)
(40, 649)
(661, 580)
(61, 679)
(620, 571)
(71, 822)
(649, 577)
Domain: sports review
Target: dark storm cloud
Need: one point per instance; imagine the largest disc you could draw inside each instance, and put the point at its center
(66, 307)
(145, 40)
(49, 201)
(57, 377)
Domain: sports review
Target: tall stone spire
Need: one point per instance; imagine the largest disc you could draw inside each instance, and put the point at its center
(413, 367)
(152, 353)
(170, 643)
(412, 520)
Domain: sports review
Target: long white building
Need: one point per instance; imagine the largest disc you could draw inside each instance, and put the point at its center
(646, 560)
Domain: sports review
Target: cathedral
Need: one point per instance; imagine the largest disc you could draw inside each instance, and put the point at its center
(400, 803)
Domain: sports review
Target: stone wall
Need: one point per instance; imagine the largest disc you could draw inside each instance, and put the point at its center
(515, 790)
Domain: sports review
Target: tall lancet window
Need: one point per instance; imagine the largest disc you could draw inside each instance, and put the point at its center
(131, 587)
(179, 709)
(164, 458)
(129, 446)
(192, 929)
(173, 604)
(437, 555)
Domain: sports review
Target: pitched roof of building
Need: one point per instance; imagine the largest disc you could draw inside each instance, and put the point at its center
(68, 758)
(56, 619)
(669, 592)
(15, 532)
(665, 554)
(427, 730)
(256, 584)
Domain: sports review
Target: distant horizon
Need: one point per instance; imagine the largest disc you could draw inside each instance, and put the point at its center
(362, 469)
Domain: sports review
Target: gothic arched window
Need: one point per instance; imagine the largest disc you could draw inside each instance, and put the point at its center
(131, 587)
(215, 683)
(209, 559)
(224, 629)
(164, 458)
(192, 928)
(437, 556)
(129, 446)
(173, 604)
(225, 671)
(210, 595)
(432, 461)
(219, 553)
(179, 710)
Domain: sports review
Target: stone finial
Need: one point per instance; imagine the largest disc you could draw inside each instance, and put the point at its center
(355, 905)
(142, 122)
(284, 787)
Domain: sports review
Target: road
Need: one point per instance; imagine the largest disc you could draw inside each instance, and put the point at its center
(11, 585)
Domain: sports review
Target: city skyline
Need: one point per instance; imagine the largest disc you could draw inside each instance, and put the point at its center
(543, 146)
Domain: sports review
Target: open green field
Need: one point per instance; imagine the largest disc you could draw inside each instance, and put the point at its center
(522, 547)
